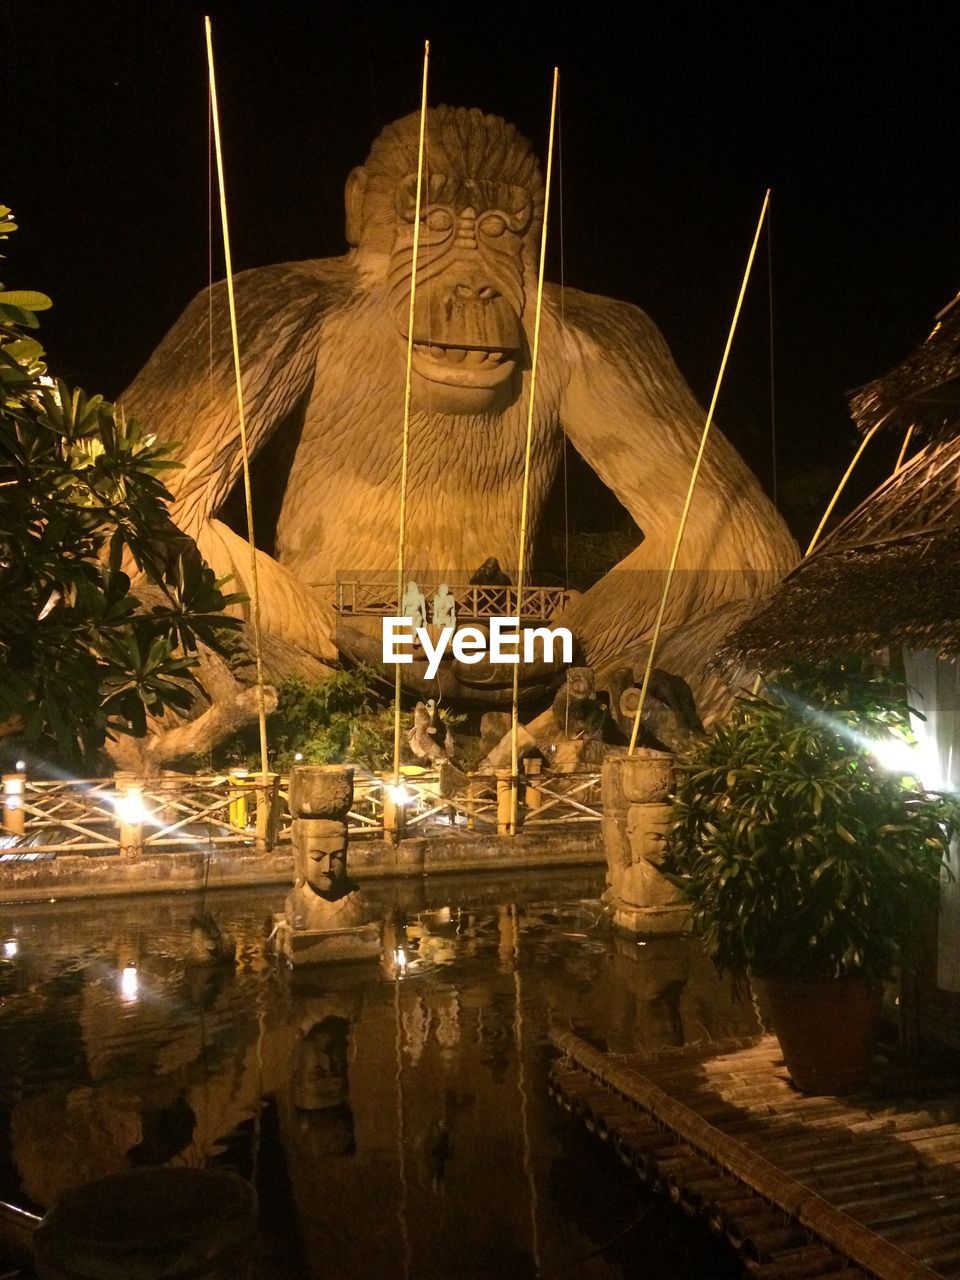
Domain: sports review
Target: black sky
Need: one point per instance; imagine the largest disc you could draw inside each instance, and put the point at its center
(675, 117)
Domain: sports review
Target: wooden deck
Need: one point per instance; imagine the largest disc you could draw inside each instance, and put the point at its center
(861, 1186)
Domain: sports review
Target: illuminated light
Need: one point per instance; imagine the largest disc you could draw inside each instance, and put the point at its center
(129, 982)
(130, 809)
(10, 948)
(20, 766)
(298, 756)
(399, 795)
(400, 959)
(897, 756)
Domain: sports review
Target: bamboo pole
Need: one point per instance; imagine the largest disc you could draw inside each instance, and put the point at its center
(405, 448)
(842, 485)
(836, 497)
(903, 450)
(525, 495)
(244, 454)
(658, 624)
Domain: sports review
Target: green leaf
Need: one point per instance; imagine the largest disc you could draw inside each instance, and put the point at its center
(26, 298)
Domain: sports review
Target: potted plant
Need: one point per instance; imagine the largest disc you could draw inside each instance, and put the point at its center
(808, 864)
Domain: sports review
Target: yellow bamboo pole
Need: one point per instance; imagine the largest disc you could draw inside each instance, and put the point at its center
(842, 485)
(836, 497)
(655, 638)
(244, 454)
(525, 495)
(903, 450)
(405, 448)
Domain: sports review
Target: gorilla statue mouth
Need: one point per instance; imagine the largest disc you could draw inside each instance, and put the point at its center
(458, 365)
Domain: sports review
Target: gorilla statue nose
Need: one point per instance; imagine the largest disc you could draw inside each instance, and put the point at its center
(476, 293)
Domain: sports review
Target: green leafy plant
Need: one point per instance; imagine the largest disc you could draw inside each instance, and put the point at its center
(337, 719)
(85, 653)
(342, 719)
(800, 854)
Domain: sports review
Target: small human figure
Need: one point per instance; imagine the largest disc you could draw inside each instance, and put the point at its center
(413, 605)
(490, 575)
(444, 607)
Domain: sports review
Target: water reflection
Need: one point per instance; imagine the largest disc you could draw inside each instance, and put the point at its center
(395, 1118)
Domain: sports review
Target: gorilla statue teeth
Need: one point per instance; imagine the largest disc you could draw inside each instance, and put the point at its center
(323, 345)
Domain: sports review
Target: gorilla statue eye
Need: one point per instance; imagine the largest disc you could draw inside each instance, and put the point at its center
(493, 225)
(438, 220)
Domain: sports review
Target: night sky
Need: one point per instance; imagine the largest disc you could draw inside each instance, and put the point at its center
(674, 118)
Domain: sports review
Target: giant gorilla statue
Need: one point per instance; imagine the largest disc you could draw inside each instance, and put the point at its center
(323, 347)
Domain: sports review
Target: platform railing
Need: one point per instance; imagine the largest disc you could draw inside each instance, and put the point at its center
(472, 603)
(130, 816)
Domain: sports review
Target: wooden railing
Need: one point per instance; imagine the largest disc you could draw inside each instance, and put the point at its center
(130, 816)
(473, 603)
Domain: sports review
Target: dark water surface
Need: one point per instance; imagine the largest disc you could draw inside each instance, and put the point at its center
(395, 1127)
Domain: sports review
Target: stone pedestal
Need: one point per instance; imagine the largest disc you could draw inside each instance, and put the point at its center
(636, 816)
(324, 917)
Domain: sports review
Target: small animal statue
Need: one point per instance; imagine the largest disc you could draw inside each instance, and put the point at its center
(670, 718)
(209, 944)
(576, 709)
(444, 607)
(490, 575)
(674, 692)
(413, 605)
(430, 738)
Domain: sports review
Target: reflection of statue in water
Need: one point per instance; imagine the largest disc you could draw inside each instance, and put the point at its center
(321, 1088)
(322, 344)
(416, 1028)
(444, 607)
(414, 606)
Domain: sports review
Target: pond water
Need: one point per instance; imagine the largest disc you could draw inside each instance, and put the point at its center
(396, 1123)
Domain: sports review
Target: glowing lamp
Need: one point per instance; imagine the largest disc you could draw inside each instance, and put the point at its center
(399, 795)
(129, 982)
(13, 790)
(897, 757)
(10, 948)
(400, 959)
(130, 809)
(20, 766)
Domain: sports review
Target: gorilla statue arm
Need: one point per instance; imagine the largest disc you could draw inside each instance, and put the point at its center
(186, 394)
(630, 415)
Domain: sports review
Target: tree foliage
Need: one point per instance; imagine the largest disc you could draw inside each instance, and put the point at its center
(801, 855)
(85, 653)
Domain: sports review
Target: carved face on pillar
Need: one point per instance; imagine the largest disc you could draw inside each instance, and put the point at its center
(480, 217)
(321, 856)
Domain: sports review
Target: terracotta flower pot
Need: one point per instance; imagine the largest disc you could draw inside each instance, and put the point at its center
(827, 1028)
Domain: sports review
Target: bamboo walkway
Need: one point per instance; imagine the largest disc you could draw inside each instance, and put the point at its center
(854, 1187)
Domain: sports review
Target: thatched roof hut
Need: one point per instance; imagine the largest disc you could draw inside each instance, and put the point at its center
(889, 574)
(923, 391)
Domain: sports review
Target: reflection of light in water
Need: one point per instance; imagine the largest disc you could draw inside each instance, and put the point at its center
(10, 948)
(129, 982)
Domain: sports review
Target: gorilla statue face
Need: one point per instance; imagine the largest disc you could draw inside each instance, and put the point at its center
(481, 209)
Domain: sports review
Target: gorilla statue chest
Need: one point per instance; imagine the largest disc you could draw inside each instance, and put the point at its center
(465, 467)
